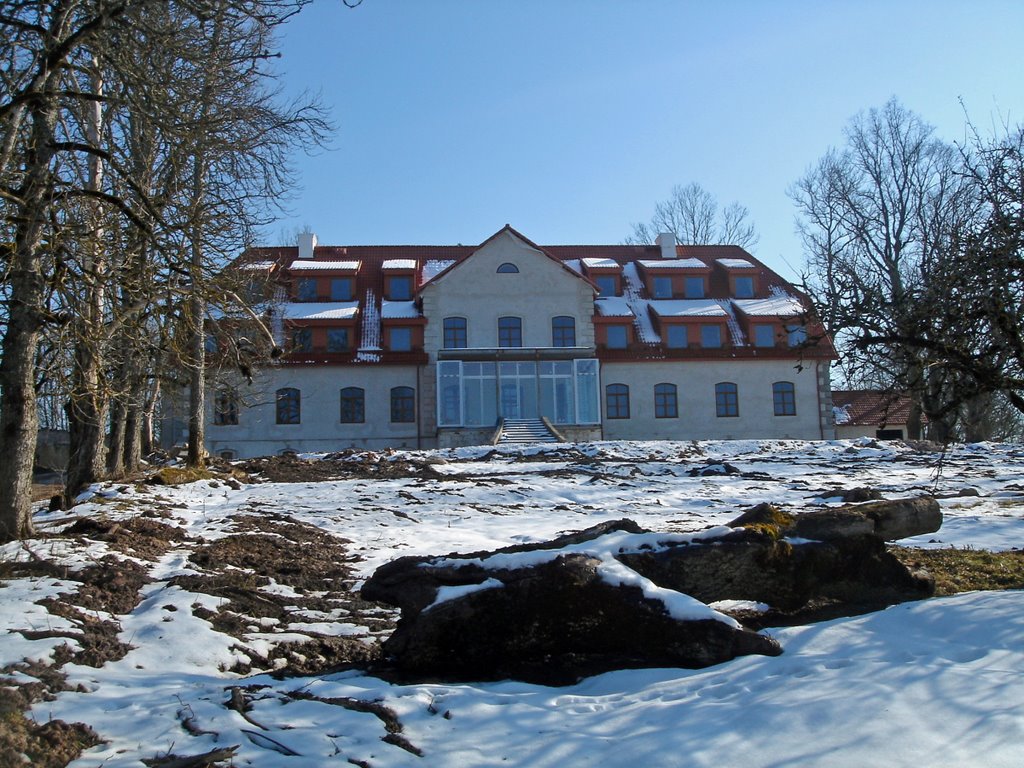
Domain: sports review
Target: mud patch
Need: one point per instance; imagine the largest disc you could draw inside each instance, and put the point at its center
(278, 576)
(141, 537)
(343, 465)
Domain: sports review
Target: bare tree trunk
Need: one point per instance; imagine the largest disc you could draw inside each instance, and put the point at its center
(87, 414)
(147, 441)
(19, 419)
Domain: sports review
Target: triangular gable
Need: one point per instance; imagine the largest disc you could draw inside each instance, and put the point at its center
(509, 230)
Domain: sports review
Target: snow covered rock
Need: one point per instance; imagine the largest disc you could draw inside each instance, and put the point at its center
(550, 612)
(556, 622)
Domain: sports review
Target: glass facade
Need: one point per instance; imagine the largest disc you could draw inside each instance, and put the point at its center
(477, 394)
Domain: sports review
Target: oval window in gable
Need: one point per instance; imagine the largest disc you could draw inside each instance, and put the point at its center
(508, 268)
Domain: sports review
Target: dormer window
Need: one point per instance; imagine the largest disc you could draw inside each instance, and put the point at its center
(662, 287)
(607, 284)
(400, 287)
(305, 289)
(341, 289)
(694, 287)
(744, 286)
(508, 268)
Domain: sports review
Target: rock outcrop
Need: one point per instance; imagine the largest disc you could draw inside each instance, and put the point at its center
(616, 596)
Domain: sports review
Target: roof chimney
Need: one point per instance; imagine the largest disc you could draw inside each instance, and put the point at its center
(307, 244)
(667, 242)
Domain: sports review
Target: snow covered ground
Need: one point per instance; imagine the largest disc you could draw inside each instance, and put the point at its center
(934, 683)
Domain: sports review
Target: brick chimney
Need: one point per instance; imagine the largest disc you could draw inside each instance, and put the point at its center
(667, 242)
(307, 244)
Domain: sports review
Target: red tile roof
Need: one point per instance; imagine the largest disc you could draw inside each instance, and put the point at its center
(441, 258)
(871, 407)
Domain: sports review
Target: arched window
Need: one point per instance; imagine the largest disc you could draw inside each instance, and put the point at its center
(784, 398)
(455, 333)
(665, 403)
(225, 408)
(508, 268)
(510, 332)
(353, 405)
(727, 402)
(563, 331)
(403, 405)
(616, 401)
(289, 402)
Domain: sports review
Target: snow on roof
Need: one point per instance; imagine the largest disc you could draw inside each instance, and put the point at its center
(399, 264)
(673, 264)
(601, 264)
(433, 267)
(257, 265)
(398, 309)
(310, 310)
(370, 340)
(776, 306)
(841, 414)
(688, 308)
(736, 264)
(633, 287)
(574, 265)
(306, 264)
(613, 306)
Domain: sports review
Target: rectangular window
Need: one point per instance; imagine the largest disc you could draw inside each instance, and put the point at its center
(797, 335)
(663, 287)
(305, 290)
(588, 392)
(606, 284)
(353, 405)
(510, 332)
(711, 336)
(455, 333)
(695, 287)
(401, 339)
(618, 336)
(764, 335)
(400, 288)
(225, 409)
(617, 401)
(341, 289)
(337, 339)
(676, 336)
(744, 287)
(665, 403)
(403, 405)
(302, 340)
(449, 387)
(289, 402)
(726, 400)
(784, 398)
(563, 331)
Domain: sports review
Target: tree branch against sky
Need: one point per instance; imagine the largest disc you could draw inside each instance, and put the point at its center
(693, 215)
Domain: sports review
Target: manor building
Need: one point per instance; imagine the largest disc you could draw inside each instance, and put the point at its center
(441, 346)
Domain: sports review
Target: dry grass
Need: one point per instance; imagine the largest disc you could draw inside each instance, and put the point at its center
(965, 570)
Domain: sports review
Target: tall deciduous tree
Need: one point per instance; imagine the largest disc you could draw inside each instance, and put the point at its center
(104, 216)
(693, 215)
(879, 218)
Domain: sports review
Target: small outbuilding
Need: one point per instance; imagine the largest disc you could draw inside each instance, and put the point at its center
(871, 413)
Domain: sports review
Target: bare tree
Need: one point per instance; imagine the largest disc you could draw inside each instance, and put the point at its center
(66, 220)
(692, 214)
(879, 218)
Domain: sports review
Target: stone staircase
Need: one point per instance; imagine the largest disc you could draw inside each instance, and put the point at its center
(525, 431)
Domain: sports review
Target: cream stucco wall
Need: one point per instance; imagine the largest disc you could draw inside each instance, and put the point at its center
(258, 434)
(540, 291)
(695, 386)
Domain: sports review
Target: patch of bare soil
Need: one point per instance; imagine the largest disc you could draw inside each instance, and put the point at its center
(141, 537)
(343, 465)
(279, 575)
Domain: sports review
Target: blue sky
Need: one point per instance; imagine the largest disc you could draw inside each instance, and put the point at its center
(569, 119)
